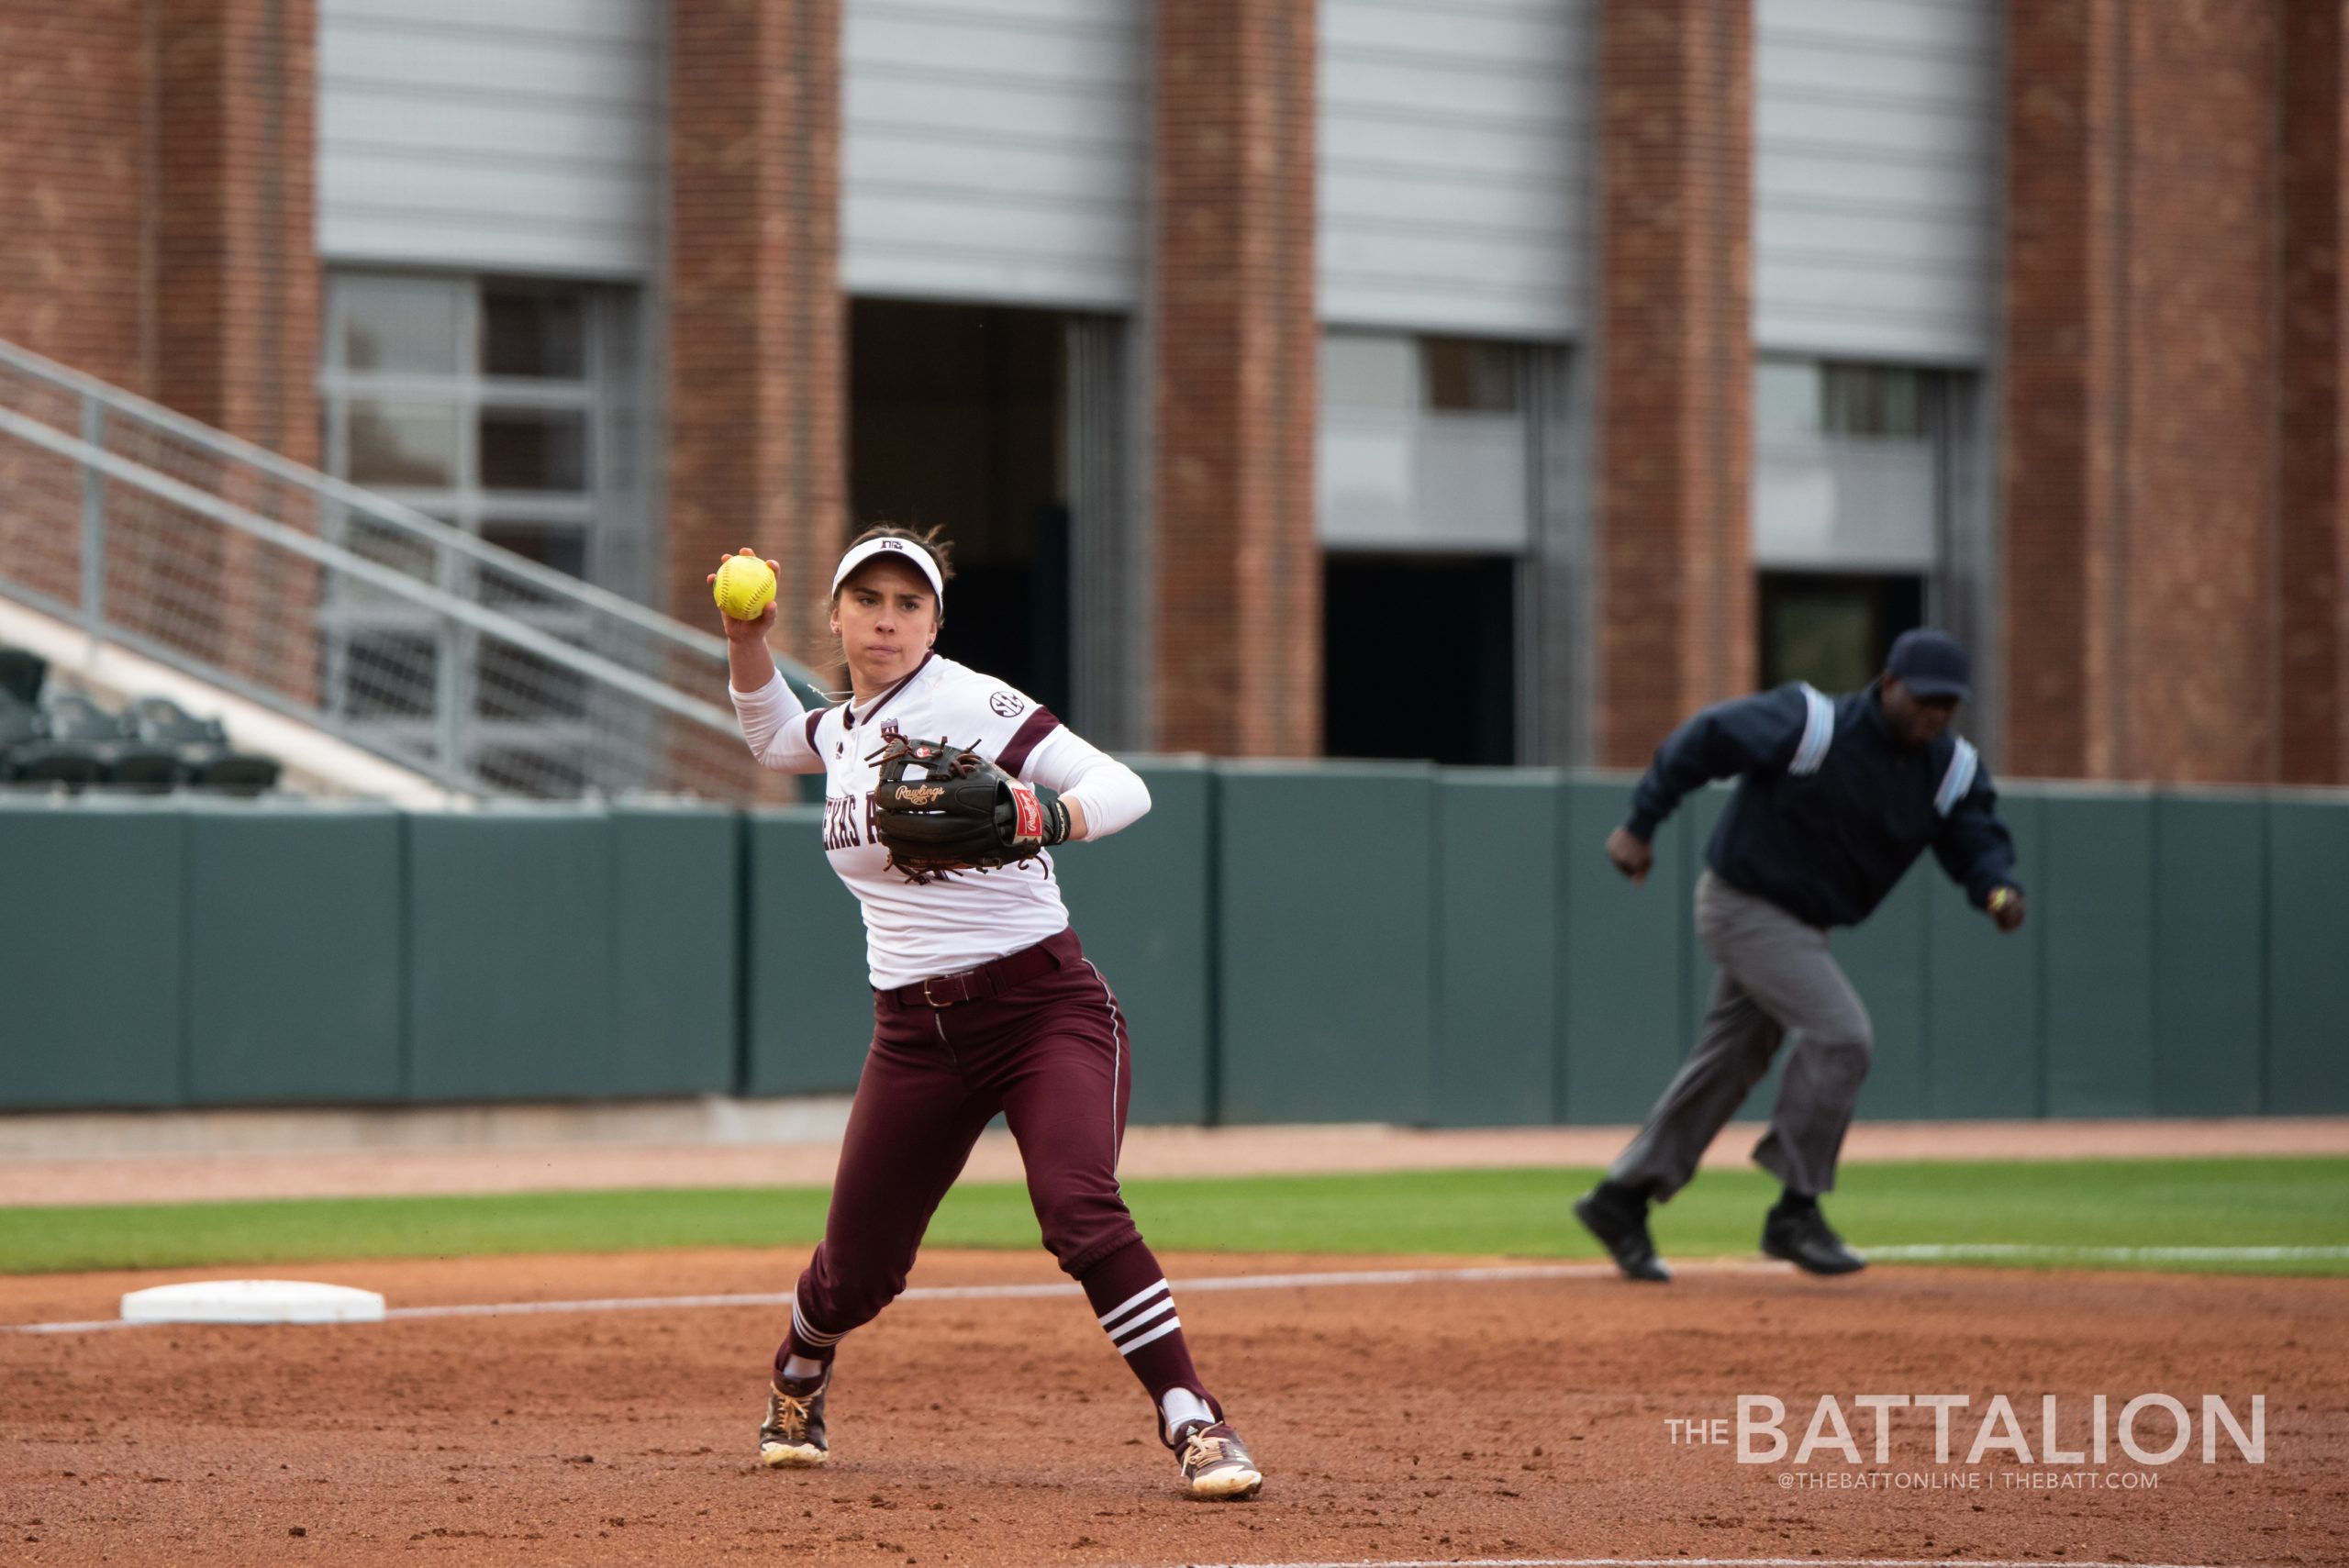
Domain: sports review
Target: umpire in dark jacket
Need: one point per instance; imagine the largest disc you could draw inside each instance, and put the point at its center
(1836, 798)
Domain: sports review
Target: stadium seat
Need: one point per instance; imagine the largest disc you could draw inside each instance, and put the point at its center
(202, 746)
(21, 674)
(123, 758)
(30, 754)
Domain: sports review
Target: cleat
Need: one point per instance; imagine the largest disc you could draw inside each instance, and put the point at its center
(1216, 1463)
(792, 1437)
(1624, 1233)
(1809, 1243)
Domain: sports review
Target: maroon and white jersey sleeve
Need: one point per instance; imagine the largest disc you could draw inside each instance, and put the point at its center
(1112, 793)
(778, 728)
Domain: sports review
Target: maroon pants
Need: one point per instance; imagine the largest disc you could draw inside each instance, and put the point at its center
(1051, 1055)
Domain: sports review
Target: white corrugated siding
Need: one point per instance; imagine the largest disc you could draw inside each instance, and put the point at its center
(518, 135)
(1877, 137)
(1455, 164)
(995, 150)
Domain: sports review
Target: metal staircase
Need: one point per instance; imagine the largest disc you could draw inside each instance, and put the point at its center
(399, 634)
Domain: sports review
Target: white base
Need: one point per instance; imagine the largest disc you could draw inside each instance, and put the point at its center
(252, 1301)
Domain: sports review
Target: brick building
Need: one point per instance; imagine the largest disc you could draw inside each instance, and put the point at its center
(1489, 382)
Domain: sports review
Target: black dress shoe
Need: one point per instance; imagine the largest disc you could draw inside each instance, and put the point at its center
(1808, 1242)
(1623, 1231)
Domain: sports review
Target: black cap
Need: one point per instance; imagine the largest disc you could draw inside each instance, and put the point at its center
(1931, 663)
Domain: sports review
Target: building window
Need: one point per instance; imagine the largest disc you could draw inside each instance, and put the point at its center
(1834, 629)
(489, 403)
(507, 408)
(1426, 514)
(1423, 444)
(1855, 470)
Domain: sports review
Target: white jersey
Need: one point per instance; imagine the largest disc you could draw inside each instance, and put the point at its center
(916, 931)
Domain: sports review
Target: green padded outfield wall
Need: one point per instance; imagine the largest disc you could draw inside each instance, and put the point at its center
(2308, 958)
(2209, 1000)
(294, 936)
(509, 941)
(2095, 911)
(807, 991)
(1140, 902)
(2184, 954)
(1625, 967)
(1985, 990)
(92, 954)
(1497, 1032)
(675, 915)
(1325, 950)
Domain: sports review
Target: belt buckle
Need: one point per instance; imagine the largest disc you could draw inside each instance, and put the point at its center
(933, 1001)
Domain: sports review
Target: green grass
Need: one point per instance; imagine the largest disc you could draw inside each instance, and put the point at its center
(2193, 1203)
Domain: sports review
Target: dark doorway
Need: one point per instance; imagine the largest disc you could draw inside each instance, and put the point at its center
(956, 421)
(1419, 657)
(1834, 629)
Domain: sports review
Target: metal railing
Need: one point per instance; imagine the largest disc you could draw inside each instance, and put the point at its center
(413, 639)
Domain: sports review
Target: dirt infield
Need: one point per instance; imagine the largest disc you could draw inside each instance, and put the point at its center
(1429, 1419)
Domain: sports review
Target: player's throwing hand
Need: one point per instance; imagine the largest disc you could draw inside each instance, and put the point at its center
(754, 630)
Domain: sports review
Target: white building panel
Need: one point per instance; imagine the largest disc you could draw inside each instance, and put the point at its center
(524, 135)
(1455, 165)
(1876, 158)
(995, 150)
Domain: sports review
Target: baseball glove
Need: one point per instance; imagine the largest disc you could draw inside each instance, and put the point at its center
(942, 807)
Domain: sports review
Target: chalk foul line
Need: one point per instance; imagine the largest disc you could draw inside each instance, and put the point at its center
(1686, 1562)
(1498, 1273)
(1923, 1252)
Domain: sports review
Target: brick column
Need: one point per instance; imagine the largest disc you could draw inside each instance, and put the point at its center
(2312, 663)
(1674, 552)
(235, 275)
(1238, 611)
(74, 132)
(755, 315)
(2141, 458)
(236, 259)
(73, 180)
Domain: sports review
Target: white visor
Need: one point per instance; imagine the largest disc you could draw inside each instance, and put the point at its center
(905, 548)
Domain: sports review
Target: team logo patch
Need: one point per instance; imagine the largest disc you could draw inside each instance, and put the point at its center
(1005, 704)
(888, 727)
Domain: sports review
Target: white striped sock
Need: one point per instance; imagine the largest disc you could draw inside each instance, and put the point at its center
(1136, 1299)
(1139, 1320)
(1131, 1346)
(808, 1336)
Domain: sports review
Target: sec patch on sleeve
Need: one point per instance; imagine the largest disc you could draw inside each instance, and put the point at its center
(1007, 704)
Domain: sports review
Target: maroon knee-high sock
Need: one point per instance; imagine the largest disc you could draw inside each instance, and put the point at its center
(803, 1340)
(1136, 1308)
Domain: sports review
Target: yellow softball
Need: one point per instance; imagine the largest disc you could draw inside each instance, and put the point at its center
(745, 586)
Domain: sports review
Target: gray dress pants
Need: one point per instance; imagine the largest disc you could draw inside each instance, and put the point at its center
(1773, 976)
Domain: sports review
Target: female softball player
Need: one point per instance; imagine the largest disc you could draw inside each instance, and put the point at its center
(983, 1001)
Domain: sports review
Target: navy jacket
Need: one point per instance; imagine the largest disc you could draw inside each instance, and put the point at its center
(1832, 809)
